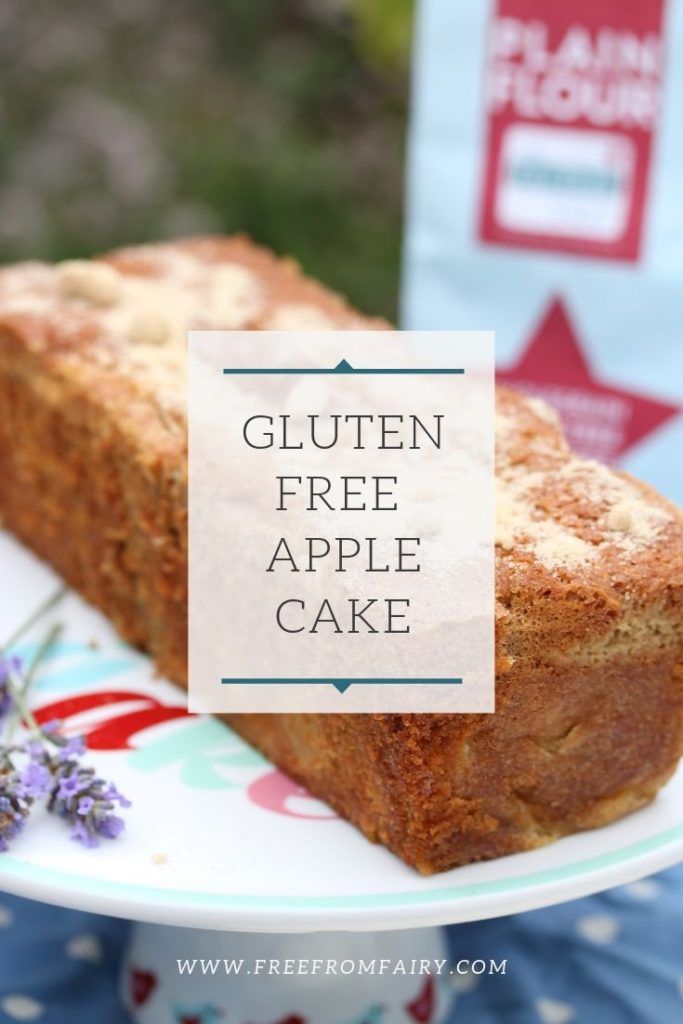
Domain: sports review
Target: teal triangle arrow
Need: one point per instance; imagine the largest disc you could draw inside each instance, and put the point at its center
(341, 684)
(343, 367)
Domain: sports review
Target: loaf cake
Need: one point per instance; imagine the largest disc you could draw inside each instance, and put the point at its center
(589, 616)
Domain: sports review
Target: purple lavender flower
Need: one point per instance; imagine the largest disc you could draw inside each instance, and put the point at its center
(85, 805)
(47, 766)
(11, 822)
(35, 750)
(111, 793)
(73, 791)
(5, 700)
(111, 826)
(69, 786)
(82, 834)
(73, 747)
(8, 667)
(14, 808)
(85, 801)
(34, 781)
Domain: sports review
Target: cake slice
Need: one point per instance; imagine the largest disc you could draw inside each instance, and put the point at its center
(589, 624)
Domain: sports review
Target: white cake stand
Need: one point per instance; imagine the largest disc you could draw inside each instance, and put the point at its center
(217, 839)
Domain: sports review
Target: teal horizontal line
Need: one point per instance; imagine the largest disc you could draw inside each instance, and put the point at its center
(228, 679)
(342, 685)
(323, 371)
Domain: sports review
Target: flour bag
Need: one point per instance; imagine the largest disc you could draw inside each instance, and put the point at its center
(545, 201)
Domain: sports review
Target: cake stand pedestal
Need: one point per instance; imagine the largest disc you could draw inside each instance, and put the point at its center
(317, 978)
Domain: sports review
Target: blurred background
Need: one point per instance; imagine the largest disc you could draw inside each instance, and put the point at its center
(129, 120)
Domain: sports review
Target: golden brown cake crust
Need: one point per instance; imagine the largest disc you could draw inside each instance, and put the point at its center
(589, 574)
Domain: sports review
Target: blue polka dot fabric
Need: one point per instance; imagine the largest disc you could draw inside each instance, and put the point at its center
(59, 966)
(615, 958)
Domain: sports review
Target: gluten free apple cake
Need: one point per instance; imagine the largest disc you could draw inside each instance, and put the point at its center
(589, 619)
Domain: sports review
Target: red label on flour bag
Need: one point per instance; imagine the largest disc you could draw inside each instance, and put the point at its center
(544, 202)
(572, 99)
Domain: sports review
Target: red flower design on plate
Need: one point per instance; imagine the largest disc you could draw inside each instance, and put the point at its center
(142, 985)
(422, 1007)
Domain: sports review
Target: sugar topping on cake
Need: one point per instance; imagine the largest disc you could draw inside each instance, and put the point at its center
(138, 308)
(298, 317)
(132, 312)
(564, 510)
(91, 282)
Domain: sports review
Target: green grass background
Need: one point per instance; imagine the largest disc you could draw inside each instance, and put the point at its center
(129, 120)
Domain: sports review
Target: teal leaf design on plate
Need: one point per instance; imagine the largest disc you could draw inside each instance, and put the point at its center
(91, 665)
(199, 747)
(246, 758)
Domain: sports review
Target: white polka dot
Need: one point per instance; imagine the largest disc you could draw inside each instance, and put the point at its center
(6, 917)
(551, 1011)
(645, 889)
(465, 982)
(599, 928)
(85, 947)
(22, 1007)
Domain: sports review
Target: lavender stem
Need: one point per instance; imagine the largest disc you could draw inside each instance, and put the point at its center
(42, 650)
(41, 610)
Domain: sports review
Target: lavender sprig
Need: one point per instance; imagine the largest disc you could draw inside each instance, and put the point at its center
(47, 765)
(76, 794)
(14, 808)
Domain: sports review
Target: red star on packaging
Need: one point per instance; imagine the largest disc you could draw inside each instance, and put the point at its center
(600, 421)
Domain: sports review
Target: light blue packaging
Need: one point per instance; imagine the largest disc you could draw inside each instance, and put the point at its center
(545, 202)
